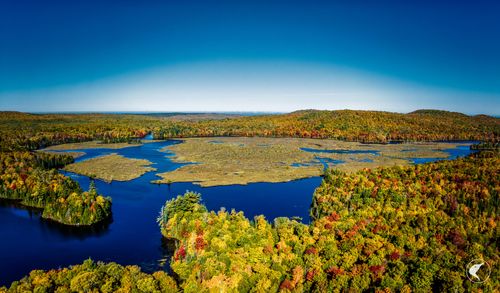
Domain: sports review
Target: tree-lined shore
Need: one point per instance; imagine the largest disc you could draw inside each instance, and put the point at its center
(403, 229)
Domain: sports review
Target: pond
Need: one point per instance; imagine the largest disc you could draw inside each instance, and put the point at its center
(132, 236)
(459, 151)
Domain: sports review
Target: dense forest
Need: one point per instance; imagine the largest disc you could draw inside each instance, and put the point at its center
(398, 229)
(390, 229)
(33, 131)
(384, 230)
(362, 126)
(94, 277)
(22, 131)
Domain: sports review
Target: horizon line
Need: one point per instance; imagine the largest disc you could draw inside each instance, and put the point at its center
(248, 113)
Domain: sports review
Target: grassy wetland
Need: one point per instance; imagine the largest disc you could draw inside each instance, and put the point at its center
(242, 160)
(111, 167)
(89, 145)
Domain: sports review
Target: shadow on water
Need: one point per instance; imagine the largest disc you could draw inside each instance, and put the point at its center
(79, 232)
(167, 248)
(51, 227)
(15, 208)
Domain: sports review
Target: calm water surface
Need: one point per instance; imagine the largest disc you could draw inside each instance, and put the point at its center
(132, 236)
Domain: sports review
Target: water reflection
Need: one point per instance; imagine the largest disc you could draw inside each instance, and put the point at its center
(48, 226)
(79, 232)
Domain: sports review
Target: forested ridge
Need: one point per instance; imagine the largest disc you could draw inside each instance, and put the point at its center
(350, 125)
(33, 131)
(23, 131)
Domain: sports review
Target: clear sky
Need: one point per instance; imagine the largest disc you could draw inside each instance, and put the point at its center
(249, 56)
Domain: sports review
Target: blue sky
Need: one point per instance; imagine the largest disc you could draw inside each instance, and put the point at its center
(249, 56)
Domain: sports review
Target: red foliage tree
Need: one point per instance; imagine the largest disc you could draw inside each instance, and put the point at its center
(310, 275)
(286, 284)
(394, 255)
(180, 253)
(200, 243)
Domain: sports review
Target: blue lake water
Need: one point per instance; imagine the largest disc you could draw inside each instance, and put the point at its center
(460, 151)
(132, 236)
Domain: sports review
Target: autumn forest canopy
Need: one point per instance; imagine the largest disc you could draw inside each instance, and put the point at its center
(32, 131)
(408, 229)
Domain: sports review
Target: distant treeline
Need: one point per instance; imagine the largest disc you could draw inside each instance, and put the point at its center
(361, 126)
(21, 131)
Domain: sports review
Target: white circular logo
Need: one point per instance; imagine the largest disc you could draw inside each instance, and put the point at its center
(478, 271)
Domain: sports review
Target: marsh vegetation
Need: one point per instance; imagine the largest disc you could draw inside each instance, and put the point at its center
(111, 167)
(242, 160)
(88, 145)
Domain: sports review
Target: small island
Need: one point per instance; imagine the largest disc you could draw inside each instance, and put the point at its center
(89, 145)
(111, 167)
